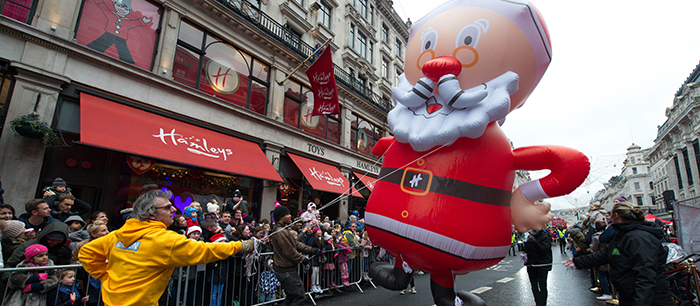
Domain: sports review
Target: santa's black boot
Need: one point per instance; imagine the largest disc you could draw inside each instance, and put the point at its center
(388, 276)
(444, 296)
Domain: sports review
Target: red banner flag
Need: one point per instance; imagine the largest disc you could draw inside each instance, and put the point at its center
(323, 85)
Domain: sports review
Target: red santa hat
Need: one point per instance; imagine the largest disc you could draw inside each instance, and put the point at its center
(193, 229)
(218, 238)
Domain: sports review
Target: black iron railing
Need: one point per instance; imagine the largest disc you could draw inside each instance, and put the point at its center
(291, 40)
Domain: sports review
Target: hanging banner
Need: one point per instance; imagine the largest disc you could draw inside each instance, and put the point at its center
(322, 81)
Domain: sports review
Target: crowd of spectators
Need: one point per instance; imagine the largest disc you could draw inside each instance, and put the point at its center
(52, 232)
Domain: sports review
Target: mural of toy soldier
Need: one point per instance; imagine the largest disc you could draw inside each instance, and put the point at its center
(117, 28)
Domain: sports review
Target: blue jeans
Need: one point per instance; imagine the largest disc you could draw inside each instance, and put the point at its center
(603, 278)
(216, 292)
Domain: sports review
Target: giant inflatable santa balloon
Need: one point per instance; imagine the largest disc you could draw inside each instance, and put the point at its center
(444, 203)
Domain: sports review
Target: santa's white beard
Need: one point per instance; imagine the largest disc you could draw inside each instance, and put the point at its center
(424, 130)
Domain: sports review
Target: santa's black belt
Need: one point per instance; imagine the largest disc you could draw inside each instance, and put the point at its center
(421, 182)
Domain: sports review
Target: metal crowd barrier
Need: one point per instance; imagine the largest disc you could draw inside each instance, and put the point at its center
(7, 291)
(226, 282)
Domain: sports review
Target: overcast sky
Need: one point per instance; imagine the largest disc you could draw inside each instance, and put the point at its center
(616, 66)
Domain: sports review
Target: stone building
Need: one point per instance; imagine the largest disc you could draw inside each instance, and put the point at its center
(199, 97)
(675, 155)
(632, 183)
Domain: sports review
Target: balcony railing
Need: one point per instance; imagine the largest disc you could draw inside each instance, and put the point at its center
(290, 39)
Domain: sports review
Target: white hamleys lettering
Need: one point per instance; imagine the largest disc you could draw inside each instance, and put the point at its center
(193, 145)
(327, 177)
(322, 78)
(326, 93)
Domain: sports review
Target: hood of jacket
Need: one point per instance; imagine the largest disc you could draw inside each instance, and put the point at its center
(53, 227)
(134, 229)
(644, 226)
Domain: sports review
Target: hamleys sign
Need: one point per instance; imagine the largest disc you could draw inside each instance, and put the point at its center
(193, 144)
(107, 124)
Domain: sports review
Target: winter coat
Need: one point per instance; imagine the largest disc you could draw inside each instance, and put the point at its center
(539, 249)
(25, 218)
(59, 254)
(79, 207)
(580, 241)
(312, 242)
(637, 263)
(77, 236)
(142, 255)
(64, 295)
(597, 215)
(16, 297)
(287, 250)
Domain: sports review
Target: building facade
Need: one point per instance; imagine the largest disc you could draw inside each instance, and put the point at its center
(632, 183)
(675, 156)
(200, 97)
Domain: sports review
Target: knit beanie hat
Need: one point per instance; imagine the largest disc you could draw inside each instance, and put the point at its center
(211, 207)
(280, 212)
(218, 238)
(249, 219)
(59, 181)
(33, 250)
(74, 218)
(193, 229)
(13, 228)
(316, 229)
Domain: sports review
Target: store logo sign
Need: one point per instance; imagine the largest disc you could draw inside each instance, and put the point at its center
(222, 76)
(325, 176)
(194, 145)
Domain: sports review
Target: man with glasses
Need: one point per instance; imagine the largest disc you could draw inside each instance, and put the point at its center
(135, 262)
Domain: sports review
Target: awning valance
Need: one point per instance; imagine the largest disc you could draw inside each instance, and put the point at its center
(367, 180)
(323, 176)
(115, 126)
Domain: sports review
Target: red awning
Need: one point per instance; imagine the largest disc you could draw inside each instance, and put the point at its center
(367, 180)
(323, 176)
(111, 125)
(651, 217)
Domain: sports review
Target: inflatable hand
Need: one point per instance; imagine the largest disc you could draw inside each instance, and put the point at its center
(527, 214)
(415, 96)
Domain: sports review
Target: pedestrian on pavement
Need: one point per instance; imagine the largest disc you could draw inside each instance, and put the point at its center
(562, 234)
(539, 262)
(287, 256)
(636, 257)
(134, 263)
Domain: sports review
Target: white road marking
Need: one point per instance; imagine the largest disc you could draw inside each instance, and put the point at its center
(481, 290)
(505, 280)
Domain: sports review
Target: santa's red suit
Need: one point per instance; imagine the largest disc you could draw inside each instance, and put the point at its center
(449, 213)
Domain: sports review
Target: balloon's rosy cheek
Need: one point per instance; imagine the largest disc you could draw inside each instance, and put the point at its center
(467, 55)
(424, 57)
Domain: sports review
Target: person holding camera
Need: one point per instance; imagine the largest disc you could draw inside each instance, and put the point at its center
(236, 202)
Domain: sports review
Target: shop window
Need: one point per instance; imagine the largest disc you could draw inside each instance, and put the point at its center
(125, 30)
(6, 85)
(364, 135)
(298, 106)
(206, 63)
(20, 10)
(68, 115)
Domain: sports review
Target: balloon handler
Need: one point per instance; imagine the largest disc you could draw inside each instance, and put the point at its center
(444, 202)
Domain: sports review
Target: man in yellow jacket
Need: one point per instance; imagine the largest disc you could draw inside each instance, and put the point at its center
(135, 262)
